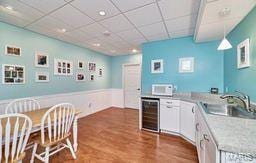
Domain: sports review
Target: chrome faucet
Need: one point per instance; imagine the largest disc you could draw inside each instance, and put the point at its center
(243, 97)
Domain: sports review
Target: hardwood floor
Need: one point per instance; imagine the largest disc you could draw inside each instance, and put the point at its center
(112, 135)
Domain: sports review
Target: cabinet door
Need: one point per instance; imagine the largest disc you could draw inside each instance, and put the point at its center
(210, 149)
(187, 120)
(169, 118)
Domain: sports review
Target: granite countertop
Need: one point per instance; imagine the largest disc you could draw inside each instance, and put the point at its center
(231, 134)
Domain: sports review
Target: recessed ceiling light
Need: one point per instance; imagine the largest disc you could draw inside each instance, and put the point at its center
(134, 50)
(96, 44)
(9, 7)
(62, 30)
(106, 33)
(102, 13)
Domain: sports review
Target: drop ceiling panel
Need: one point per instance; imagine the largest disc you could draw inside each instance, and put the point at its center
(180, 23)
(92, 8)
(125, 5)
(45, 6)
(131, 34)
(79, 35)
(95, 29)
(173, 8)
(145, 15)
(153, 29)
(159, 36)
(182, 33)
(20, 10)
(210, 27)
(49, 23)
(13, 20)
(74, 17)
(117, 23)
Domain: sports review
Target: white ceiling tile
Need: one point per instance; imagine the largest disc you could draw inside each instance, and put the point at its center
(153, 29)
(79, 35)
(125, 5)
(146, 15)
(45, 6)
(92, 8)
(113, 38)
(182, 33)
(13, 20)
(137, 41)
(117, 23)
(95, 29)
(131, 34)
(49, 23)
(20, 11)
(72, 16)
(173, 8)
(180, 23)
(157, 37)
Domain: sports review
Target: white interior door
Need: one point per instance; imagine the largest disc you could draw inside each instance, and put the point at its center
(131, 85)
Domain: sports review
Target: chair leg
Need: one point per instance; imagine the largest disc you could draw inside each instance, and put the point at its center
(71, 148)
(46, 157)
(33, 153)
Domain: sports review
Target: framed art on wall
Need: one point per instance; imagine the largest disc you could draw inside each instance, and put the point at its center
(80, 65)
(41, 60)
(157, 66)
(13, 74)
(63, 67)
(243, 54)
(186, 65)
(91, 66)
(100, 72)
(42, 77)
(12, 50)
(80, 77)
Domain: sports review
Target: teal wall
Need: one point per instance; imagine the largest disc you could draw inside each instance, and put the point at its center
(116, 68)
(242, 79)
(31, 42)
(208, 65)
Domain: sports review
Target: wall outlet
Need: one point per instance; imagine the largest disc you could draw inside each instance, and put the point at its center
(89, 105)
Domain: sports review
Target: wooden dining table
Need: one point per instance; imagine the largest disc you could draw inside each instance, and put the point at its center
(37, 115)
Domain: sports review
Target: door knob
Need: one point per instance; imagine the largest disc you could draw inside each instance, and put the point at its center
(138, 89)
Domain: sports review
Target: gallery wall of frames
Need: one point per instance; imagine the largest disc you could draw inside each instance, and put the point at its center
(15, 74)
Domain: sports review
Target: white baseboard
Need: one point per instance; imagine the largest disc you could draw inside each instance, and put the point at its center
(87, 101)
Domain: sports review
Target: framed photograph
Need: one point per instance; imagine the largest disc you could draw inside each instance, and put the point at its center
(42, 77)
(13, 74)
(91, 66)
(100, 72)
(80, 77)
(157, 66)
(63, 67)
(41, 60)
(243, 54)
(80, 65)
(12, 50)
(92, 77)
(186, 65)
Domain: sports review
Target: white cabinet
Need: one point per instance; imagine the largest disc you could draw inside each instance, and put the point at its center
(169, 115)
(187, 120)
(206, 148)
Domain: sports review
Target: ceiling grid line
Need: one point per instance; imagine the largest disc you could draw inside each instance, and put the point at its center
(165, 26)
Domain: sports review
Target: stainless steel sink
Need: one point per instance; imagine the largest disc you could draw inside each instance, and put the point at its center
(228, 110)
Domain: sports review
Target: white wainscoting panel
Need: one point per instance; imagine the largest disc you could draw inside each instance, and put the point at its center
(118, 98)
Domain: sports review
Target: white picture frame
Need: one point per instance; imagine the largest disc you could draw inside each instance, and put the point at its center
(157, 66)
(13, 74)
(41, 60)
(91, 66)
(80, 65)
(12, 50)
(63, 67)
(80, 77)
(186, 65)
(92, 77)
(100, 72)
(243, 54)
(42, 77)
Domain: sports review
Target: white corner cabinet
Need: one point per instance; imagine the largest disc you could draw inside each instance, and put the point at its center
(178, 117)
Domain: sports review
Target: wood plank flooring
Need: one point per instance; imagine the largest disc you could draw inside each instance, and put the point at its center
(112, 135)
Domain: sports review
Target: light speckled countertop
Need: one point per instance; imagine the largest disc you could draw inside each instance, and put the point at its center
(231, 134)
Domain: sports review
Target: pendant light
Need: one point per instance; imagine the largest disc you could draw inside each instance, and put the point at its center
(225, 44)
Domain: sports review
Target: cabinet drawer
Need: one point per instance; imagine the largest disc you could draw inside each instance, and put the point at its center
(169, 102)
